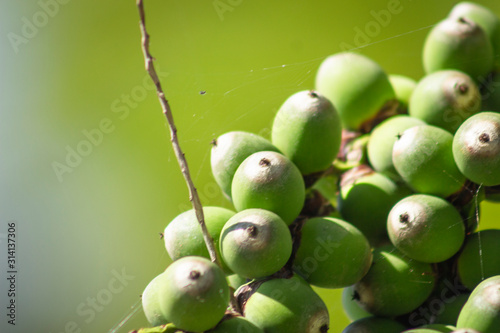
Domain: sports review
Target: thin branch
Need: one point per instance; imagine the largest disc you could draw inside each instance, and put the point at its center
(193, 193)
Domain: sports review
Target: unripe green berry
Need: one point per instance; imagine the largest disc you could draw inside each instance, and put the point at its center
(269, 180)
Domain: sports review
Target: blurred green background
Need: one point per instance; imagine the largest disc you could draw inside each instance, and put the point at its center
(87, 172)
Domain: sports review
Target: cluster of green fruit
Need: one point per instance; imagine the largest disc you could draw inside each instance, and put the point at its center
(371, 183)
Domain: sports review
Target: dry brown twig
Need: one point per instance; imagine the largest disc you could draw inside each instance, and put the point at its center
(193, 193)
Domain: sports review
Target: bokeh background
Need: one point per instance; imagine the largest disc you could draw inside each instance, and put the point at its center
(87, 172)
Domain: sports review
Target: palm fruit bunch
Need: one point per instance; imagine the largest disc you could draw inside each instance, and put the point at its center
(369, 183)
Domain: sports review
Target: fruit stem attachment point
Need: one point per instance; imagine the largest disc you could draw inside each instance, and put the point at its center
(264, 162)
(181, 159)
(313, 94)
(252, 231)
(194, 275)
(404, 218)
(484, 138)
(462, 88)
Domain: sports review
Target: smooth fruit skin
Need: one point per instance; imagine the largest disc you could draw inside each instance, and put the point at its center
(287, 305)
(484, 17)
(236, 325)
(183, 236)
(423, 158)
(482, 310)
(270, 181)
(193, 287)
(382, 140)
(491, 281)
(476, 148)
(366, 203)
(403, 88)
(356, 85)
(461, 44)
(255, 243)
(395, 284)
(426, 228)
(479, 258)
(307, 130)
(229, 150)
(151, 303)
(445, 99)
(374, 325)
(351, 308)
(332, 253)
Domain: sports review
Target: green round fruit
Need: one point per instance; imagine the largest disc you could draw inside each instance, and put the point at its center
(332, 253)
(485, 18)
(461, 44)
(395, 284)
(307, 130)
(403, 88)
(366, 202)
(426, 228)
(476, 148)
(269, 180)
(236, 325)
(491, 281)
(287, 305)
(356, 85)
(193, 287)
(255, 243)
(479, 258)
(229, 150)
(351, 308)
(183, 236)
(151, 303)
(374, 325)
(445, 99)
(423, 158)
(482, 310)
(382, 140)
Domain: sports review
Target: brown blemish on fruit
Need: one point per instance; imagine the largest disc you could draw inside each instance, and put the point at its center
(194, 275)
(462, 88)
(404, 218)
(313, 94)
(264, 162)
(484, 138)
(252, 231)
